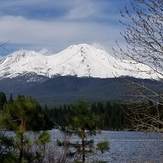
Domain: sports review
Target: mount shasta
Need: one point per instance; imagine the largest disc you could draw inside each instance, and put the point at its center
(81, 60)
(78, 72)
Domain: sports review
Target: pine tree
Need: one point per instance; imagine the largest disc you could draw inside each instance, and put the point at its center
(3, 100)
(83, 123)
(22, 115)
(10, 98)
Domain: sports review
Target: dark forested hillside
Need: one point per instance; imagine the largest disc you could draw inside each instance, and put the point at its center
(68, 89)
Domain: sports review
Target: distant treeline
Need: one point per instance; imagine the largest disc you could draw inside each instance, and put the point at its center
(112, 115)
(115, 115)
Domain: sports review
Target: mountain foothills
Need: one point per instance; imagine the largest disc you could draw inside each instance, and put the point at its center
(78, 72)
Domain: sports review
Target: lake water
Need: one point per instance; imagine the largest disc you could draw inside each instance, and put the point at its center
(126, 147)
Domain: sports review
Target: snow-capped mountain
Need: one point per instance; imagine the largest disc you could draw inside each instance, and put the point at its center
(81, 60)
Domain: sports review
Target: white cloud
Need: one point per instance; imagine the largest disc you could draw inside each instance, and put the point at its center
(60, 33)
(82, 9)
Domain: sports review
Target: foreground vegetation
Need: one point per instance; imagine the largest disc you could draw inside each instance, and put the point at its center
(24, 136)
(29, 123)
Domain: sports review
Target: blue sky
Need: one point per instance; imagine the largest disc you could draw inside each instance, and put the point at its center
(56, 24)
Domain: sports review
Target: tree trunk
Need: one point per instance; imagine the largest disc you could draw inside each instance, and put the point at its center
(83, 147)
(21, 149)
(22, 130)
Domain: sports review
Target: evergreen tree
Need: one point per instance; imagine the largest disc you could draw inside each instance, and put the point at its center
(83, 123)
(10, 99)
(3, 100)
(20, 116)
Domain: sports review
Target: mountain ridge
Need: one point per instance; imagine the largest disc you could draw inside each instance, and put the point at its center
(80, 60)
(69, 89)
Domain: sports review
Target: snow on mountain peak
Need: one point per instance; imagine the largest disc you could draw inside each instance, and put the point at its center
(80, 60)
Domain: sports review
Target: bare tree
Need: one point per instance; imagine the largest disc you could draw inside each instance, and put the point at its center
(144, 33)
(143, 22)
(146, 116)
